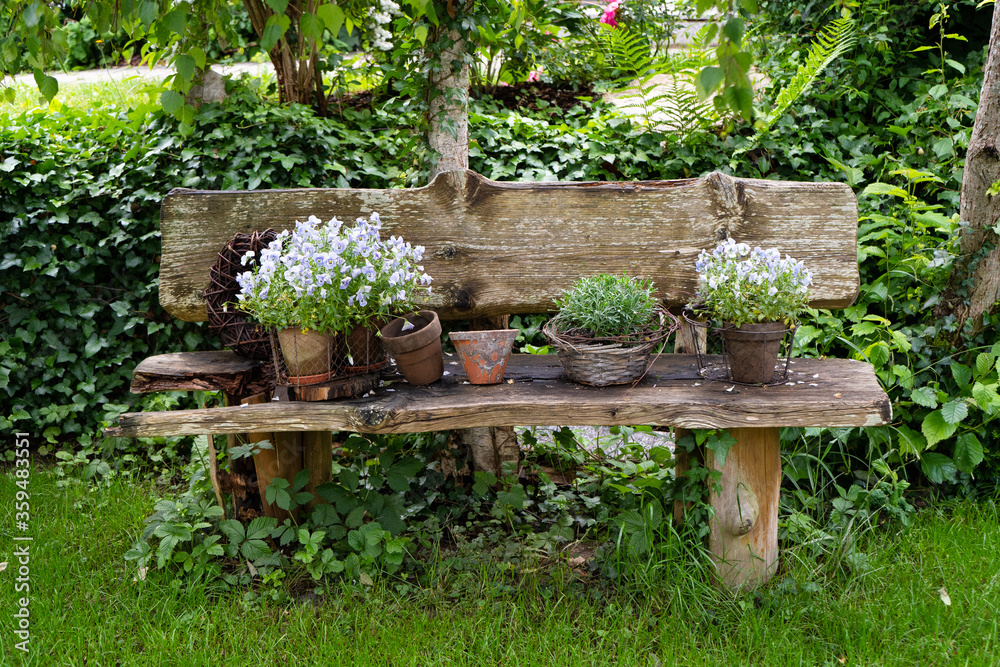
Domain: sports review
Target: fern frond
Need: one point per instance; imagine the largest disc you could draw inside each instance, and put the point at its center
(833, 42)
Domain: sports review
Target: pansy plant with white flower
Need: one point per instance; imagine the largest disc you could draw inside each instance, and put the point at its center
(332, 277)
(738, 285)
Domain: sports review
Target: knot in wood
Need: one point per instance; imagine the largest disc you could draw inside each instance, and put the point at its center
(372, 416)
(732, 203)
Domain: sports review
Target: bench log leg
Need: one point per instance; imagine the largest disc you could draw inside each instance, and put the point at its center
(744, 531)
(491, 447)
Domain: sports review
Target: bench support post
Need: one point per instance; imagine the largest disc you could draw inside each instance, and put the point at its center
(744, 530)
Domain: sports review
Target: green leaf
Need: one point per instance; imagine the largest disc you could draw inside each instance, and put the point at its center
(924, 396)
(962, 374)
(957, 65)
(733, 30)
(910, 442)
(333, 18)
(749, 5)
(233, 530)
(311, 26)
(720, 444)
(968, 452)
(274, 30)
(984, 363)
(938, 467)
(171, 101)
(985, 396)
(707, 81)
(420, 32)
(277, 6)
(185, 65)
(399, 475)
(936, 429)
(47, 85)
(355, 517)
(175, 21)
(884, 189)
(954, 411)
(148, 11)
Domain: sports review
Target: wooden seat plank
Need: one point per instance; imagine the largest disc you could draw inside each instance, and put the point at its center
(821, 392)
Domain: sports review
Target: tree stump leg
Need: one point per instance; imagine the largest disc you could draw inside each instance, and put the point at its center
(744, 530)
(318, 459)
(491, 447)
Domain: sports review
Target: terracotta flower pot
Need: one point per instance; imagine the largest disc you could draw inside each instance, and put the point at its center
(417, 351)
(484, 354)
(365, 347)
(306, 355)
(752, 350)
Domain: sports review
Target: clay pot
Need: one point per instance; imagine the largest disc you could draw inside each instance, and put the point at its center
(417, 351)
(752, 350)
(484, 354)
(306, 355)
(366, 347)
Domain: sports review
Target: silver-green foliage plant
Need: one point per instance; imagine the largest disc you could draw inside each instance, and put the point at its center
(739, 285)
(608, 306)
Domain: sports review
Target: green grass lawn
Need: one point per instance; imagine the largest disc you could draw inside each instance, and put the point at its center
(85, 608)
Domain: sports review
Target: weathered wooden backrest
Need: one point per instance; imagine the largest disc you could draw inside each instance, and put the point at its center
(496, 248)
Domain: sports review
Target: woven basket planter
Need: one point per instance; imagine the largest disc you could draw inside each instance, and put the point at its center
(600, 362)
(232, 325)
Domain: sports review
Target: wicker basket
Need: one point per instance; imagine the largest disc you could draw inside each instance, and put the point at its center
(233, 326)
(600, 362)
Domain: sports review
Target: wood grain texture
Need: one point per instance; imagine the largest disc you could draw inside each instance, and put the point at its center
(744, 531)
(825, 392)
(497, 248)
(213, 370)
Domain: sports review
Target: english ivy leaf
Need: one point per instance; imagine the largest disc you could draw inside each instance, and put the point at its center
(936, 429)
(924, 396)
(968, 452)
(938, 467)
(954, 411)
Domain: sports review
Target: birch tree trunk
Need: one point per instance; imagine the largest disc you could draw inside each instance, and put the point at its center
(448, 132)
(448, 137)
(980, 261)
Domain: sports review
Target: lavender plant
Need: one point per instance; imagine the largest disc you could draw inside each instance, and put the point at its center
(332, 277)
(739, 285)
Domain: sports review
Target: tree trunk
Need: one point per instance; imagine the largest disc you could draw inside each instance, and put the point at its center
(979, 266)
(295, 64)
(448, 131)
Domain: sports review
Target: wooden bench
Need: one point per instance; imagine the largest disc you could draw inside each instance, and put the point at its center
(506, 248)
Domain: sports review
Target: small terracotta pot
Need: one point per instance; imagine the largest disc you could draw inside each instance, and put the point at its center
(365, 347)
(417, 351)
(306, 354)
(484, 354)
(752, 350)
